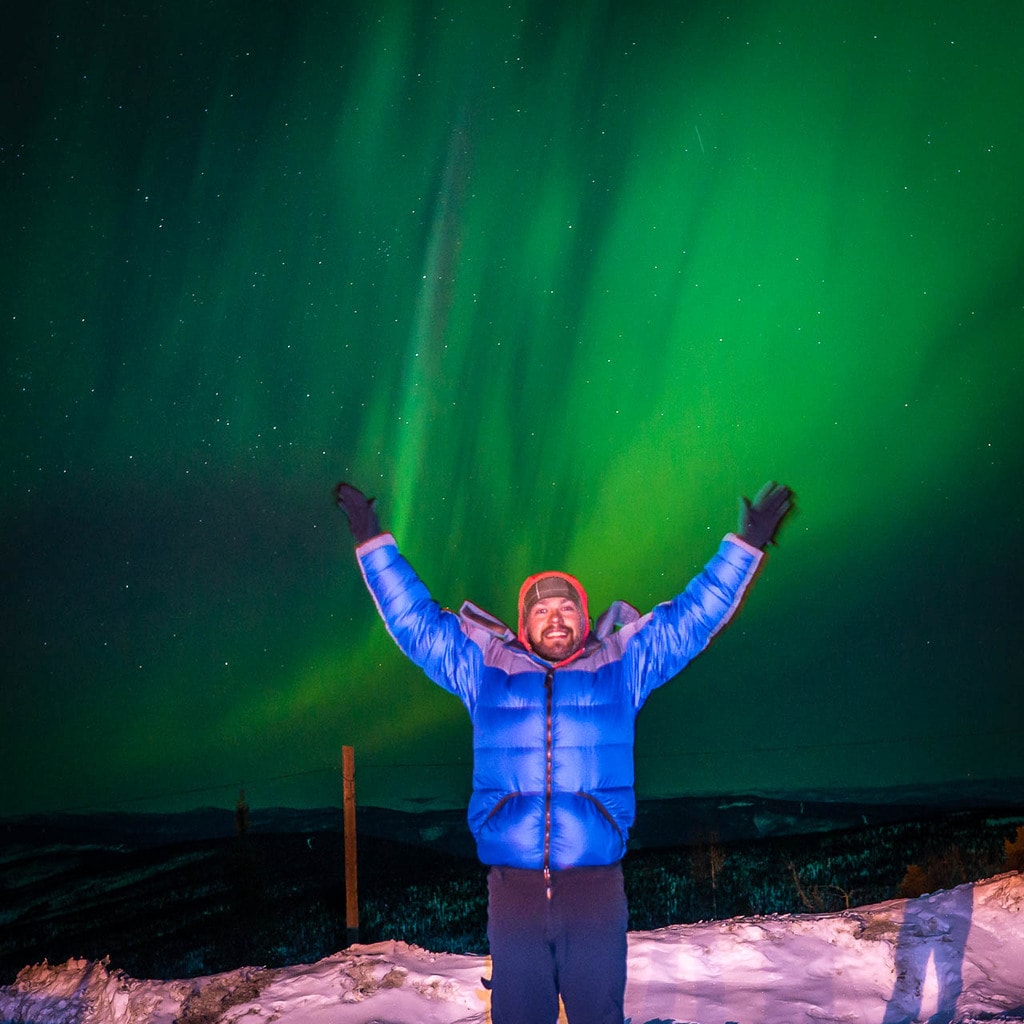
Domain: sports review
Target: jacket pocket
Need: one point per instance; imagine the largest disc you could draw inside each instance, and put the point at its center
(498, 806)
(605, 813)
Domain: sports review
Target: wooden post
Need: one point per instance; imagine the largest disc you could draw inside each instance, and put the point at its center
(348, 775)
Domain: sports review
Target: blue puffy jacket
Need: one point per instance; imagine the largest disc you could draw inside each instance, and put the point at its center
(553, 745)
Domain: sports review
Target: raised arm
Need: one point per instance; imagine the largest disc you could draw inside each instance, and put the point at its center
(428, 635)
(662, 643)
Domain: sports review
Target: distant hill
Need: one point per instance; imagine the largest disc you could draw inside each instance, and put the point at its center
(183, 895)
(668, 822)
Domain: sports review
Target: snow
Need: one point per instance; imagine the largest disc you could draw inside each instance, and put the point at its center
(954, 955)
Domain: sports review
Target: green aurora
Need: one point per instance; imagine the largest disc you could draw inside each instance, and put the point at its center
(557, 286)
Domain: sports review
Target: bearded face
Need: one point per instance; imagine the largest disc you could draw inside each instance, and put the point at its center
(554, 628)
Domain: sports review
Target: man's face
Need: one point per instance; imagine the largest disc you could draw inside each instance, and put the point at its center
(554, 628)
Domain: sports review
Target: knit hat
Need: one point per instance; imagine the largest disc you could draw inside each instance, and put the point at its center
(551, 584)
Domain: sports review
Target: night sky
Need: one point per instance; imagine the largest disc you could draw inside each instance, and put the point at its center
(557, 287)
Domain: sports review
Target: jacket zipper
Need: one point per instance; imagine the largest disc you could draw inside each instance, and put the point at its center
(549, 686)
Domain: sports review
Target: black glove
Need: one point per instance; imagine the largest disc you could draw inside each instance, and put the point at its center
(760, 519)
(362, 520)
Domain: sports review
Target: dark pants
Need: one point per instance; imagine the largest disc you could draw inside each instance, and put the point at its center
(573, 944)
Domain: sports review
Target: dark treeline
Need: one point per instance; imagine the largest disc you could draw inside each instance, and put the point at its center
(199, 907)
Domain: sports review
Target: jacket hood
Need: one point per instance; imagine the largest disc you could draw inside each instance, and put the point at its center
(552, 584)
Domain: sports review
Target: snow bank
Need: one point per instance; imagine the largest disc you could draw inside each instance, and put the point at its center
(956, 955)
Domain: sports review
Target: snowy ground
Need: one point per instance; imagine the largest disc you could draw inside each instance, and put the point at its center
(956, 955)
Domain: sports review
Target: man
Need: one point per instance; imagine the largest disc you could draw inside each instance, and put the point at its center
(553, 708)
